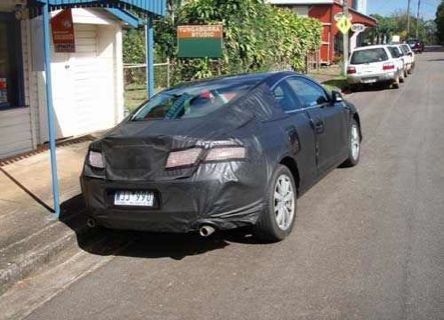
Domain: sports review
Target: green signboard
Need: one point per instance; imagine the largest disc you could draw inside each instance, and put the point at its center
(200, 41)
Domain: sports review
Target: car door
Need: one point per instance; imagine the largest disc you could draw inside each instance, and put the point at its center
(330, 122)
(300, 133)
(397, 57)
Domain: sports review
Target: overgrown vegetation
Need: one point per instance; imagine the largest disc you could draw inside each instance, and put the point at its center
(257, 37)
(440, 22)
(396, 24)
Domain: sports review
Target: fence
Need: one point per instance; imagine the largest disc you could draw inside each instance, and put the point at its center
(135, 74)
(135, 77)
(136, 84)
(312, 61)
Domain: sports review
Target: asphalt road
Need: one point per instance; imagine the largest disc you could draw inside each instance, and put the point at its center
(368, 241)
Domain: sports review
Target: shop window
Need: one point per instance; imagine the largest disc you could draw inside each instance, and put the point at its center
(11, 72)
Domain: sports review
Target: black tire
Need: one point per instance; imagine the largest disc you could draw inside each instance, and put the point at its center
(354, 88)
(354, 142)
(401, 77)
(395, 84)
(267, 228)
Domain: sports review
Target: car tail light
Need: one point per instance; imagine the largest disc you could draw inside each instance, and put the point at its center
(183, 158)
(388, 66)
(95, 159)
(226, 153)
(351, 70)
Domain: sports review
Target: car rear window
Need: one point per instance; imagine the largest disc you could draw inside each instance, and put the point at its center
(368, 56)
(195, 100)
(395, 52)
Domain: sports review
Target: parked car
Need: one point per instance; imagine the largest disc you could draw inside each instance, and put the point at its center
(375, 64)
(410, 57)
(401, 59)
(416, 45)
(220, 154)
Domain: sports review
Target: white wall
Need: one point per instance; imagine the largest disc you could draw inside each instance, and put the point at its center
(87, 84)
(301, 10)
(97, 75)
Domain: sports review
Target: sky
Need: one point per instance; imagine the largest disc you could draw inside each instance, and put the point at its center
(386, 7)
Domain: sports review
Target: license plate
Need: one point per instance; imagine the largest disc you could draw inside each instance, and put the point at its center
(371, 80)
(134, 198)
(368, 69)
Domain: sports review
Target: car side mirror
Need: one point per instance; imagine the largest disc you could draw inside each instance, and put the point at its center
(410, 54)
(337, 96)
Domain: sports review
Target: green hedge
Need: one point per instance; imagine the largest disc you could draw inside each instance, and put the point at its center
(257, 37)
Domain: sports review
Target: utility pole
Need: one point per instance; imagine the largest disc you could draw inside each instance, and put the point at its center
(408, 18)
(417, 19)
(345, 41)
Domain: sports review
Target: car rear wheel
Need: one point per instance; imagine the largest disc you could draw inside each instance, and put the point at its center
(395, 84)
(277, 218)
(354, 146)
(354, 88)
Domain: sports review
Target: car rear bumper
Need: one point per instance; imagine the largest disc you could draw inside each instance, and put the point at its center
(371, 78)
(183, 205)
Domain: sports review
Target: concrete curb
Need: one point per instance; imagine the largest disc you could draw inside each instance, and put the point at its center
(19, 259)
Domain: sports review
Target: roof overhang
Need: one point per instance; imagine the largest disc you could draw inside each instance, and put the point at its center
(359, 17)
(126, 16)
(299, 2)
(366, 20)
(157, 7)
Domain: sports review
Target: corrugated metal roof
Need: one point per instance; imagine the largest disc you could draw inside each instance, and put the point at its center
(149, 6)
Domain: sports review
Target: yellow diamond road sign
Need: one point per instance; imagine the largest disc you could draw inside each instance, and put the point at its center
(344, 25)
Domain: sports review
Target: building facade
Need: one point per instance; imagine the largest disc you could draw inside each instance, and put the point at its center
(325, 11)
(87, 83)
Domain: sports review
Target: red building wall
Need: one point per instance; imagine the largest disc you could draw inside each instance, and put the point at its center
(324, 14)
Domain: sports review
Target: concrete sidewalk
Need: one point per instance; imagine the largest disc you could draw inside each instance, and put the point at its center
(30, 233)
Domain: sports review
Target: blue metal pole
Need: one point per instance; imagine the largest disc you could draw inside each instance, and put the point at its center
(149, 32)
(50, 109)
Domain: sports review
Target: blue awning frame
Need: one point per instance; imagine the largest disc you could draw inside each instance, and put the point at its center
(149, 8)
(154, 7)
(130, 19)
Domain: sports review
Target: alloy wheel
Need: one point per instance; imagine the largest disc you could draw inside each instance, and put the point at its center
(284, 203)
(355, 143)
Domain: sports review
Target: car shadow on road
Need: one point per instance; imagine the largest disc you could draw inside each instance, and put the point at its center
(105, 242)
(372, 88)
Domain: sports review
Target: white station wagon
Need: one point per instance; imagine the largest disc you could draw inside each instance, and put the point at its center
(374, 64)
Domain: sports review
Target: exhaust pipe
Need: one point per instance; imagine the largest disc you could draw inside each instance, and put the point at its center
(91, 222)
(206, 231)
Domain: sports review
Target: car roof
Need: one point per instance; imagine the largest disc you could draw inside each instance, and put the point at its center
(375, 46)
(268, 77)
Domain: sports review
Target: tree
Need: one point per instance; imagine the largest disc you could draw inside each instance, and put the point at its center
(396, 24)
(385, 29)
(257, 36)
(440, 22)
(134, 46)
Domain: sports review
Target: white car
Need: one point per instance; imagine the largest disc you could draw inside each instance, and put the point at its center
(410, 57)
(374, 64)
(403, 60)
